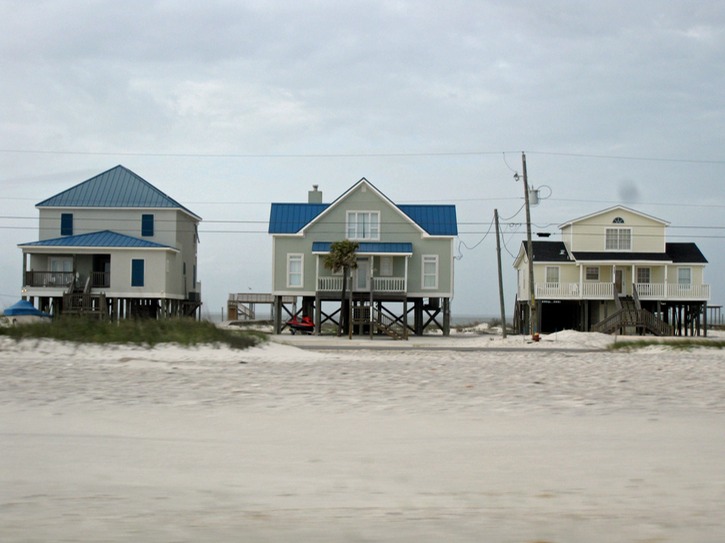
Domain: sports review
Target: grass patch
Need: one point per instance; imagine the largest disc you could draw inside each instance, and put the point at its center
(145, 332)
(675, 344)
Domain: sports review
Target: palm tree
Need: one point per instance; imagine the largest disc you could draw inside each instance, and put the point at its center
(342, 256)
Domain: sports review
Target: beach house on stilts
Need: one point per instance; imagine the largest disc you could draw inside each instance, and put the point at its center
(403, 279)
(113, 246)
(613, 271)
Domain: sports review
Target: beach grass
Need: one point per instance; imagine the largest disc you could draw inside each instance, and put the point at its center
(146, 332)
(676, 344)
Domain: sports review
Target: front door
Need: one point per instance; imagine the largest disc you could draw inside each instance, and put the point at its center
(362, 275)
(618, 282)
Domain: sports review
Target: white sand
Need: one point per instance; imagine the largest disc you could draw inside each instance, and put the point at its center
(469, 438)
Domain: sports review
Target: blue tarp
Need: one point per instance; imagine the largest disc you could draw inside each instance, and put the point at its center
(23, 307)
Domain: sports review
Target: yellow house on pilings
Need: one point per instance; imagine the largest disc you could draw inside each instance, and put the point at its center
(614, 271)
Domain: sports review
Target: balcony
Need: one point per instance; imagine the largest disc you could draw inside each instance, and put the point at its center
(49, 279)
(605, 291)
(379, 284)
(63, 280)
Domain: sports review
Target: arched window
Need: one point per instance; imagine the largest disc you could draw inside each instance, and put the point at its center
(618, 220)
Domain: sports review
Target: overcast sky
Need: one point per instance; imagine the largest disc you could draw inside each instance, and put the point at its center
(228, 106)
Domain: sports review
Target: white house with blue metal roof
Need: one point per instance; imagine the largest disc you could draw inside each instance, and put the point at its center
(404, 260)
(114, 245)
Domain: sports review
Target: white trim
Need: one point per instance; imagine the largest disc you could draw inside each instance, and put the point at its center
(609, 209)
(349, 191)
(546, 274)
(435, 260)
(689, 270)
(301, 258)
(597, 268)
(28, 249)
(377, 223)
(618, 230)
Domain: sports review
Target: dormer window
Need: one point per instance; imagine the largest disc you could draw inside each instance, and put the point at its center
(618, 220)
(363, 225)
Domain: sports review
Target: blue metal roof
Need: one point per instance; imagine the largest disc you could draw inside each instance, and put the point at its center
(117, 187)
(105, 238)
(291, 218)
(368, 247)
(436, 220)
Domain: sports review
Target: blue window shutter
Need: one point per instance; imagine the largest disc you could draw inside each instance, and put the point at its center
(147, 225)
(137, 273)
(66, 224)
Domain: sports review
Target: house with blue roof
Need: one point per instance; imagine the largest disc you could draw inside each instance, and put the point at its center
(403, 281)
(115, 246)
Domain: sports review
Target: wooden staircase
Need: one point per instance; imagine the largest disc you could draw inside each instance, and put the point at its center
(361, 315)
(79, 301)
(631, 317)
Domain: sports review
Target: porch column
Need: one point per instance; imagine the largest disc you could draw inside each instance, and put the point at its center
(405, 287)
(25, 269)
(581, 282)
(666, 293)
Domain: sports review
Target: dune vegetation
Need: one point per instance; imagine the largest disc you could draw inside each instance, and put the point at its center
(147, 332)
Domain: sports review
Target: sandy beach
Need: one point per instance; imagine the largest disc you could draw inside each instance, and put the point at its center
(469, 438)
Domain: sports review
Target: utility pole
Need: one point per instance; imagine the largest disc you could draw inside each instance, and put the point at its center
(500, 276)
(533, 324)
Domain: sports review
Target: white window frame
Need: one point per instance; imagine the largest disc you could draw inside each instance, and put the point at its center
(425, 275)
(363, 225)
(552, 269)
(680, 281)
(594, 275)
(618, 239)
(644, 275)
(300, 258)
(386, 266)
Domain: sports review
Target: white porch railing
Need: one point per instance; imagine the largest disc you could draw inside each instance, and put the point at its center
(389, 284)
(605, 291)
(380, 284)
(598, 291)
(329, 284)
(650, 291)
(688, 292)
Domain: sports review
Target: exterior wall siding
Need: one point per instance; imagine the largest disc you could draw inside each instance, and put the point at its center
(394, 227)
(648, 235)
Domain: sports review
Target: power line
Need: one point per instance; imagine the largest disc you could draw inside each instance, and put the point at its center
(392, 154)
